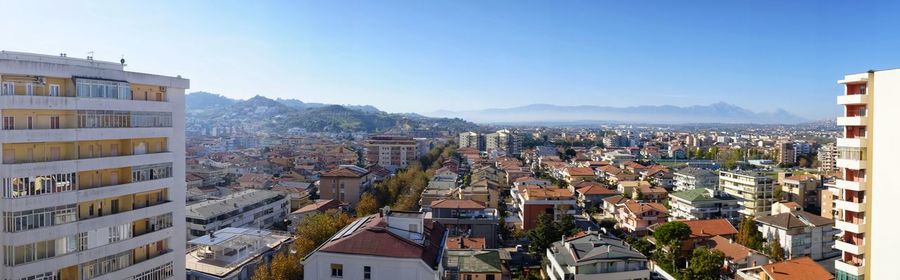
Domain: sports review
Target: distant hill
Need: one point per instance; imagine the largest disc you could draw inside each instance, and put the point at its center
(283, 114)
(204, 100)
(714, 113)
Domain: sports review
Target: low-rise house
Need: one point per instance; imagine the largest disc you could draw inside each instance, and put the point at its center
(591, 194)
(610, 204)
(484, 190)
(233, 253)
(702, 231)
(635, 217)
(388, 245)
(650, 193)
(690, 178)
(466, 218)
(532, 201)
(476, 264)
(594, 256)
(297, 191)
(317, 206)
(801, 233)
(737, 256)
(802, 268)
(346, 184)
(255, 181)
(577, 174)
(702, 204)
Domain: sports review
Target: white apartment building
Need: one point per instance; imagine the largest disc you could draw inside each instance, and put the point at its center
(93, 170)
(594, 255)
(251, 208)
(800, 233)
(690, 178)
(754, 191)
(865, 196)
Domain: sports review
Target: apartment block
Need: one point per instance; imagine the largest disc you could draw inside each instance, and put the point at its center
(390, 151)
(250, 209)
(865, 192)
(754, 191)
(93, 170)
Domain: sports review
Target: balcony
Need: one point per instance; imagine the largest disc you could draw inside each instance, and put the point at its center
(849, 267)
(852, 121)
(84, 134)
(853, 99)
(850, 227)
(851, 142)
(81, 103)
(851, 164)
(848, 247)
(850, 206)
(77, 165)
(857, 185)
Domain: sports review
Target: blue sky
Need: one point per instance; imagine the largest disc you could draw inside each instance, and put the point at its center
(422, 56)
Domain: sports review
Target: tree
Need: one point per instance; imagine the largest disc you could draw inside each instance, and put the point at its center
(776, 253)
(543, 235)
(641, 245)
(282, 266)
(748, 235)
(672, 232)
(367, 205)
(566, 225)
(669, 237)
(705, 264)
(570, 153)
(778, 193)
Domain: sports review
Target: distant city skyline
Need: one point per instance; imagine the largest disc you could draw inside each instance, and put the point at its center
(422, 57)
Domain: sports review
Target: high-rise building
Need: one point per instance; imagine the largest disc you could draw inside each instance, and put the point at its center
(827, 155)
(786, 153)
(390, 152)
(504, 142)
(471, 140)
(93, 170)
(754, 191)
(865, 195)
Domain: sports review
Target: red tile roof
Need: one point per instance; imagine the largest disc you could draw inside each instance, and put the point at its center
(346, 171)
(457, 204)
(373, 238)
(580, 171)
(802, 268)
(594, 188)
(709, 228)
(459, 242)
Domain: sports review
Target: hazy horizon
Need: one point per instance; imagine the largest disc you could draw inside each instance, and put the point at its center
(448, 55)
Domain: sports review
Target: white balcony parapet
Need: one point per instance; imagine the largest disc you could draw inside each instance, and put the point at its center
(852, 121)
(847, 247)
(850, 206)
(848, 267)
(851, 227)
(851, 142)
(851, 164)
(850, 185)
(853, 99)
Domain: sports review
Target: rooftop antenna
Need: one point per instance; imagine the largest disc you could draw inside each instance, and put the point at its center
(90, 56)
(123, 61)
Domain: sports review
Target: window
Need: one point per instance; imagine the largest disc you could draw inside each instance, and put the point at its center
(54, 122)
(9, 123)
(367, 272)
(29, 89)
(337, 270)
(9, 88)
(54, 90)
(489, 277)
(30, 123)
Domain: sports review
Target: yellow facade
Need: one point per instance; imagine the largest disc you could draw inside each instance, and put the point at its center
(147, 92)
(40, 119)
(54, 151)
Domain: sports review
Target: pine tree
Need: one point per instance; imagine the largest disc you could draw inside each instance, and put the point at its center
(776, 253)
(705, 264)
(543, 235)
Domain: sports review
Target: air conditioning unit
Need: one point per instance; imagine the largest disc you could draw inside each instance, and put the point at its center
(162, 88)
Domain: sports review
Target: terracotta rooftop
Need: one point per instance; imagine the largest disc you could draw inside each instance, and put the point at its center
(594, 188)
(641, 207)
(346, 171)
(370, 236)
(457, 204)
(459, 242)
(320, 205)
(709, 228)
(802, 268)
(733, 251)
(580, 171)
(795, 219)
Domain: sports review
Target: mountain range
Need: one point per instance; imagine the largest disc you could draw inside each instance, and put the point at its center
(544, 113)
(282, 114)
